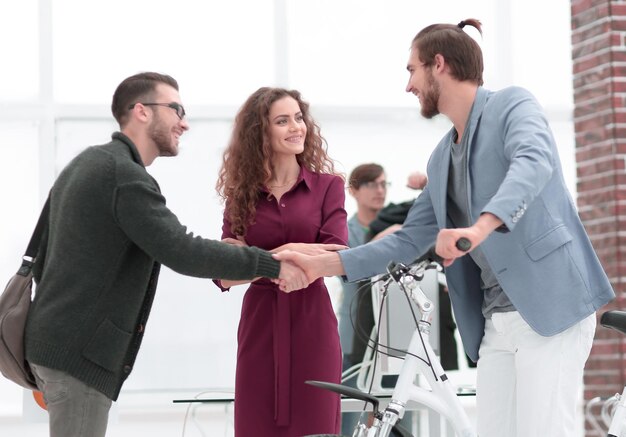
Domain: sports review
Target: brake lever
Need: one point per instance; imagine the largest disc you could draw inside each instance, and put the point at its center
(397, 270)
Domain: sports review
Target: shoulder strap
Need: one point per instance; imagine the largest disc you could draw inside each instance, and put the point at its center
(42, 224)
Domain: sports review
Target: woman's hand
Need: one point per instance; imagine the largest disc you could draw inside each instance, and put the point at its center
(235, 241)
(328, 264)
(291, 277)
(310, 248)
(239, 242)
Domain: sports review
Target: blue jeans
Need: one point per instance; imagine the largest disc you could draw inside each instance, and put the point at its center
(75, 409)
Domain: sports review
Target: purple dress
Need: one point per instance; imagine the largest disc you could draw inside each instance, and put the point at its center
(286, 339)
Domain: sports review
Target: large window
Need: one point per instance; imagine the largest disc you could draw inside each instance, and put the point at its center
(219, 51)
(62, 60)
(354, 52)
(19, 77)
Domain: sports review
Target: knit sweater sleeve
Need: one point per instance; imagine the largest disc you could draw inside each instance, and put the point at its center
(141, 213)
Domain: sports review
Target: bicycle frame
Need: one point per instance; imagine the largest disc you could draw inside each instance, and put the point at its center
(421, 358)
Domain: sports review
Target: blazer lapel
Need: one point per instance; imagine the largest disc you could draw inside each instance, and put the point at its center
(444, 167)
(475, 114)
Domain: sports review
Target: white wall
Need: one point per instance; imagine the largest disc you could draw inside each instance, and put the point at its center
(348, 58)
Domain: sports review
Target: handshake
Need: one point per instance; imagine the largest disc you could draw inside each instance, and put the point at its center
(302, 263)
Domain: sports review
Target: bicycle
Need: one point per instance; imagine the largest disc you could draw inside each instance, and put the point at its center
(420, 357)
(612, 409)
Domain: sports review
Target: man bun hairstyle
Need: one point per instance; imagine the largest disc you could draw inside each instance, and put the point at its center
(460, 51)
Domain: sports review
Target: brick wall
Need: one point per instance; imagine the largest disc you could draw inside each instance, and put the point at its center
(599, 63)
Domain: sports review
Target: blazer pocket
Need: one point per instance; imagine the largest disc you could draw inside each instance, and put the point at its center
(549, 242)
(108, 346)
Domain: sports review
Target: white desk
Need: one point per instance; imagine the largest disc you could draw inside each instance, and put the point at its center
(427, 423)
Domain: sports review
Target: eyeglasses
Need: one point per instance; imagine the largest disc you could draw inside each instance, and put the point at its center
(180, 110)
(372, 185)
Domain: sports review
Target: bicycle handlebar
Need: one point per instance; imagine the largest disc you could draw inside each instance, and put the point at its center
(395, 270)
(462, 244)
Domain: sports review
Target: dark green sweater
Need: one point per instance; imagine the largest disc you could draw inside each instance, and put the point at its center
(97, 268)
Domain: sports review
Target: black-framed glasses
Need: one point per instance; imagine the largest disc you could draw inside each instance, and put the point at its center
(180, 110)
(372, 185)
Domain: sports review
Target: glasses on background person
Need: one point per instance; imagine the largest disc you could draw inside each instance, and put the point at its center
(373, 185)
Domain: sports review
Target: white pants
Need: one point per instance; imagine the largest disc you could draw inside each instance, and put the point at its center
(529, 385)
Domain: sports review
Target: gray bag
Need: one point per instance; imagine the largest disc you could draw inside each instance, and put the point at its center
(14, 305)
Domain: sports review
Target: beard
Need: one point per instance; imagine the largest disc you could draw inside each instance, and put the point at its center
(430, 99)
(162, 138)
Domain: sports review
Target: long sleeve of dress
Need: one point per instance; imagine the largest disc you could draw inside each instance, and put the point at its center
(334, 228)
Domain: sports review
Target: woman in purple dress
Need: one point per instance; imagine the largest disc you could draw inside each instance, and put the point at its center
(281, 191)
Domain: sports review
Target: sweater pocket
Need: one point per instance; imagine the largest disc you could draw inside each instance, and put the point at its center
(108, 346)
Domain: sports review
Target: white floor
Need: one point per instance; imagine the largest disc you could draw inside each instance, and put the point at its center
(138, 414)
(156, 415)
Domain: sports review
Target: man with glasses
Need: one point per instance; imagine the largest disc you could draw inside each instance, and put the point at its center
(98, 264)
(180, 110)
(368, 185)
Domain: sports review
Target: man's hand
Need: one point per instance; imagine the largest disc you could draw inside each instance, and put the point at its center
(291, 277)
(445, 246)
(327, 264)
(476, 234)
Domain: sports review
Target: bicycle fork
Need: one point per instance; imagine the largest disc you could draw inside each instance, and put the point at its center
(441, 398)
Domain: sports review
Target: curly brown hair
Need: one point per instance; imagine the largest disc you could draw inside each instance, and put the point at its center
(247, 161)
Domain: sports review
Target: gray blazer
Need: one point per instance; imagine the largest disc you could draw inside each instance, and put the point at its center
(542, 256)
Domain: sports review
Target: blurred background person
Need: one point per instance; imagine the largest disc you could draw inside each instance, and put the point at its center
(367, 184)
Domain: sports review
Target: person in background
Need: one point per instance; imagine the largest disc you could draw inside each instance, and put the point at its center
(367, 184)
(98, 264)
(390, 219)
(281, 192)
(525, 294)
